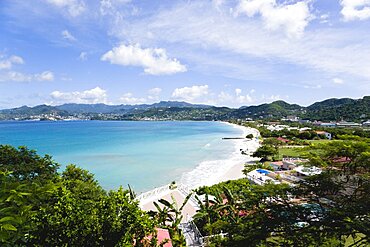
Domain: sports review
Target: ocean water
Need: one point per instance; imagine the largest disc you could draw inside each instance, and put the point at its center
(144, 154)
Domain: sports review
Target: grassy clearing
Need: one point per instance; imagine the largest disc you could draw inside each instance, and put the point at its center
(298, 152)
(316, 142)
(291, 152)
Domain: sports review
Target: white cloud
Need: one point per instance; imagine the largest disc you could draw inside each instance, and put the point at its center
(324, 18)
(236, 99)
(338, 80)
(253, 50)
(7, 63)
(21, 77)
(155, 91)
(244, 99)
(68, 36)
(92, 96)
(218, 3)
(128, 98)
(224, 97)
(271, 98)
(318, 86)
(355, 9)
(293, 18)
(45, 76)
(191, 94)
(112, 7)
(16, 76)
(83, 56)
(154, 61)
(151, 97)
(275, 97)
(73, 7)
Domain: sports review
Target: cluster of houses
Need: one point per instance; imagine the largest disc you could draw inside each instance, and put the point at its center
(343, 124)
(272, 126)
(50, 117)
(289, 170)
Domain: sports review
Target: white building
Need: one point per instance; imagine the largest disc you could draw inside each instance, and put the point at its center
(366, 124)
(326, 134)
(307, 171)
(261, 177)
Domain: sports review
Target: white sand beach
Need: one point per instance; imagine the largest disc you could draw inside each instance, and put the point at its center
(205, 174)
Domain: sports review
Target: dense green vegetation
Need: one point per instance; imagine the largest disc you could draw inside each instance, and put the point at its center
(40, 207)
(337, 109)
(330, 209)
(296, 137)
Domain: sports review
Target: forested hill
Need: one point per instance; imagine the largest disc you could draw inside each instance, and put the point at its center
(328, 110)
(340, 108)
(277, 109)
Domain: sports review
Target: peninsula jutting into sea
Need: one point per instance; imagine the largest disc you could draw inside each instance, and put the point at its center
(209, 123)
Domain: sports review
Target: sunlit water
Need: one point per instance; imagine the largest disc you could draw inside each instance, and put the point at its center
(144, 154)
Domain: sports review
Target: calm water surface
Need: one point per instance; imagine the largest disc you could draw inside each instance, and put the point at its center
(143, 154)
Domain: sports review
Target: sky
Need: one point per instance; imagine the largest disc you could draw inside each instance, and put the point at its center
(220, 52)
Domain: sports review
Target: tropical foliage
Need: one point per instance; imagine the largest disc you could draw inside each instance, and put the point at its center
(39, 207)
(330, 209)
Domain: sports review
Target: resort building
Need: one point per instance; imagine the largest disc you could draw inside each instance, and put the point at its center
(163, 237)
(262, 176)
(277, 165)
(283, 140)
(326, 134)
(304, 129)
(327, 125)
(366, 124)
(291, 119)
(292, 163)
(303, 171)
(304, 121)
(348, 124)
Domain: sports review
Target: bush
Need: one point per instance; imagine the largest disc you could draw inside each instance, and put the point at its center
(250, 136)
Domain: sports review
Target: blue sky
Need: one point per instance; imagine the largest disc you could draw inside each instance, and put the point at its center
(220, 52)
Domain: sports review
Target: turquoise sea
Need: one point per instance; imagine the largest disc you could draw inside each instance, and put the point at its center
(144, 154)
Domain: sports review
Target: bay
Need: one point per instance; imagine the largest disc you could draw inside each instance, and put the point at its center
(144, 154)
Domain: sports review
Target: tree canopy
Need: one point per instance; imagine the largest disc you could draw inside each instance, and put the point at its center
(40, 207)
(329, 209)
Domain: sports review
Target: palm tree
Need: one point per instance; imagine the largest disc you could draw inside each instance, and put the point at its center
(209, 211)
(169, 216)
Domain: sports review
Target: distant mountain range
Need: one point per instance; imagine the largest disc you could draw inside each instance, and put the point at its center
(327, 110)
(102, 108)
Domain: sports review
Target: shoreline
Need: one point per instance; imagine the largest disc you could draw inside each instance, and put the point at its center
(230, 168)
(236, 171)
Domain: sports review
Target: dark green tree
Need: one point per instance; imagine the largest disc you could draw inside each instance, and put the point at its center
(266, 152)
(27, 165)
